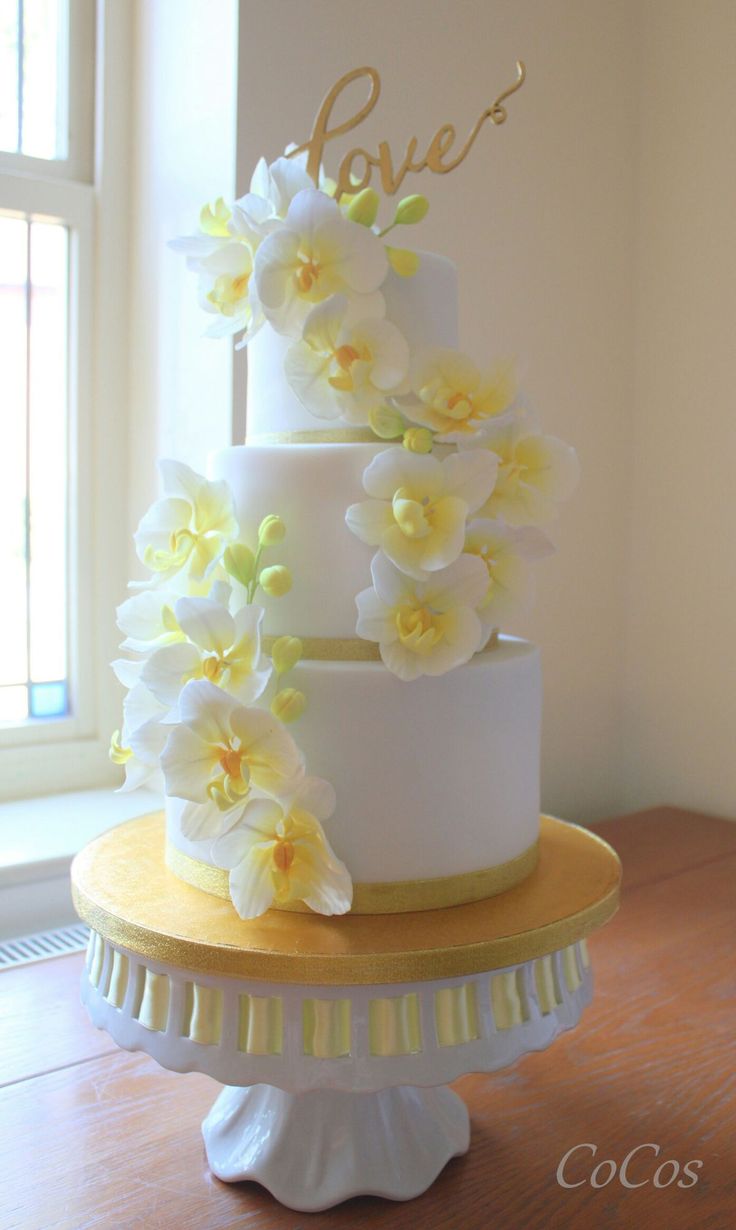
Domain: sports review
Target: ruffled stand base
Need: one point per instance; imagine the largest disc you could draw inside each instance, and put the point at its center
(312, 1150)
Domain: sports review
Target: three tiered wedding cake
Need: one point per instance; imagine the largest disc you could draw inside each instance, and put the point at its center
(316, 672)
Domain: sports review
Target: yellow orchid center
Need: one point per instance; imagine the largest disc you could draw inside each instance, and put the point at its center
(307, 274)
(413, 517)
(514, 472)
(460, 406)
(344, 357)
(283, 854)
(214, 667)
(418, 628)
(233, 784)
(119, 754)
(228, 292)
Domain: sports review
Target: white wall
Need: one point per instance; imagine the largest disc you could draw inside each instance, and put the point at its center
(185, 69)
(680, 712)
(540, 222)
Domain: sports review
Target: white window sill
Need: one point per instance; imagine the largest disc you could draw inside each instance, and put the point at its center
(38, 840)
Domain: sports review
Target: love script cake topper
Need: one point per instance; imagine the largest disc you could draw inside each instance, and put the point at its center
(436, 158)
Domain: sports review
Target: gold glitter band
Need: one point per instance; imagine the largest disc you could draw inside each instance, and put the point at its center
(346, 648)
(386, 897)
(123, 890)
(337, 435)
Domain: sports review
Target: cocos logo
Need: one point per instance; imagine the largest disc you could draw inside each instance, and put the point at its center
(602, 1174)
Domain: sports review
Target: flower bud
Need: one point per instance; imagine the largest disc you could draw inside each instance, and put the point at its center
(271, 530)
(403, 262)
(364, 207)
(288, 705)
(285, 654)
(418, 440)
(386, 422)
(239, 561)
(412, 209)
(275, 581)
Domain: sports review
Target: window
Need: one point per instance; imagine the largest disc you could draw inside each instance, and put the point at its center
(55, 454)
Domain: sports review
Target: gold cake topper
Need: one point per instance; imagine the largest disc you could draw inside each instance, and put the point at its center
(391, 179)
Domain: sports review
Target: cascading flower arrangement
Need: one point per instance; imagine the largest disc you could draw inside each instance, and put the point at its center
(458, 498)
(205, 711)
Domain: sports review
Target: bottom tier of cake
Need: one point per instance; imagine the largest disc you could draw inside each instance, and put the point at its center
(433, 781)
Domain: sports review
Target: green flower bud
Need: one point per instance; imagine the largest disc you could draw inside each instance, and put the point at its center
(364, 207)
(271, 531)
(418, 440)
(412, 209)
(288, 705)
(386, 422)
(275, 581)
(285, 654)
(239, 561)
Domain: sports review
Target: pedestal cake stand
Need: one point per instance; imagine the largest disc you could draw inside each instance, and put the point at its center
(336, 1037)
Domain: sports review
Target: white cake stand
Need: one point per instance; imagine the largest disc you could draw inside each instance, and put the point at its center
(336, 1068)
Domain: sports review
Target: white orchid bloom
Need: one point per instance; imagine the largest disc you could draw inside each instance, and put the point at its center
(424, 628)
(535, 473)
(279, 853)
(188, 529)
(222, 255)
(420, 507)
(220, 750)
(315, 254)
(506, 551)
(455, 399)
(226, 289)
(224, 648)
(148, 621)
(341, 369)
(138, 748)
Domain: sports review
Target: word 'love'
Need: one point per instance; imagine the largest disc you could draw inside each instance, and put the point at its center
(438, 157)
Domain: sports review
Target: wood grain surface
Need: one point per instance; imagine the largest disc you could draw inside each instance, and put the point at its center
(92, 1138)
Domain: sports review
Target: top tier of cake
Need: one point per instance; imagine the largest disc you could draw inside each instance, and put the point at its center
(423, 307)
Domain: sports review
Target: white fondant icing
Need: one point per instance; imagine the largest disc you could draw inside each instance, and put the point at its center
(433, 778)
(309, 487)
(424, 309)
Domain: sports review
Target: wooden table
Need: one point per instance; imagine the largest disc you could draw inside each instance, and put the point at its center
(92, 1137)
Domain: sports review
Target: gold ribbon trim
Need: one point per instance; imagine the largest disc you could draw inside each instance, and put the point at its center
(386, 897)
(337, 435)
(347, 648)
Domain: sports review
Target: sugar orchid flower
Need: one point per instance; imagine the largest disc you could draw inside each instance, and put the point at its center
(316, 253)
(278, 853)
(424, 628)
(420, 507)
(224, 648)
(535, 473)
(506, 551)
(219, 750)
(454, 398)
(341, 369)
(222, 254)
(138, 748)
(187, 530)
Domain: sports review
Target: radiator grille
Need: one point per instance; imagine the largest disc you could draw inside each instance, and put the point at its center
(57, 943)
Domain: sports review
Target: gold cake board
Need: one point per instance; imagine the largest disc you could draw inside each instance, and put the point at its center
(123, 889)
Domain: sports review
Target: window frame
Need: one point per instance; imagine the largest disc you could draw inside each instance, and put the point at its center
(94, 208)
